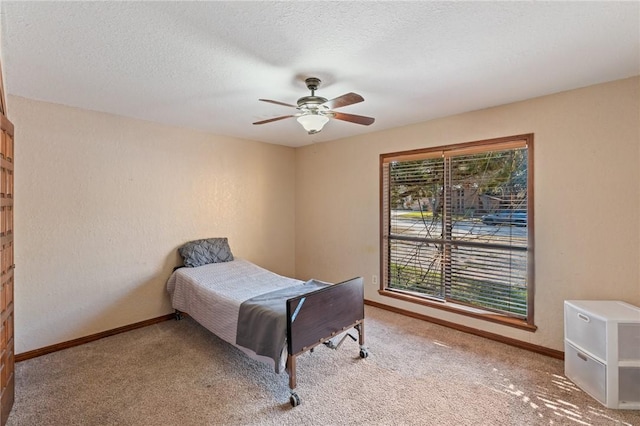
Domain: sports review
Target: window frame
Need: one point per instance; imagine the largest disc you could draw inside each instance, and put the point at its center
(474, 146)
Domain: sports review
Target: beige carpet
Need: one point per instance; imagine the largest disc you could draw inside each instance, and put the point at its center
(417, 373)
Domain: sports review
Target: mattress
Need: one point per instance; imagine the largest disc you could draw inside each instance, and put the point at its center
(212, 294)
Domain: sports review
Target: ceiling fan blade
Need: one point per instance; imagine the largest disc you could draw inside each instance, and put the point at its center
(277, 103)
(358, 119)
(273, 119)
(344, 100)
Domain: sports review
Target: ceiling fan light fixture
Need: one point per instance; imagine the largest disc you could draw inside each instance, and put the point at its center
(313, 123)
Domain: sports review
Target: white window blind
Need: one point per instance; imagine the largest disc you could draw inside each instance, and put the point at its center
(455, 225)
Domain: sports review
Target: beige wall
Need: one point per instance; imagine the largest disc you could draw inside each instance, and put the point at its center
(587, 199)
(102, 203)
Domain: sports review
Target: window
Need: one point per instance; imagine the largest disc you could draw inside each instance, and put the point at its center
(456, 228)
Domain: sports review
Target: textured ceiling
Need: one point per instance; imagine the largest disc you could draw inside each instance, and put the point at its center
(203, 65)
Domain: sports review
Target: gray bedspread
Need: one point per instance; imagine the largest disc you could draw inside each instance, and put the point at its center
(262, 320)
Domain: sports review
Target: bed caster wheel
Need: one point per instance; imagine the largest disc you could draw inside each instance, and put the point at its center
(294, 399)
(178, 315)
(364, 353)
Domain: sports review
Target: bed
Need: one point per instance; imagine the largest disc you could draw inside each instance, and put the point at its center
(269, 317)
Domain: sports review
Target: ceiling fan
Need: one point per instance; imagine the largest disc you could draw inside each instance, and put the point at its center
(315, 111)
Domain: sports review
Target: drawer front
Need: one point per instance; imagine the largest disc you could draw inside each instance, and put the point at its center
(586, 331)
(629, 385)
(629, 342)
(589, 374)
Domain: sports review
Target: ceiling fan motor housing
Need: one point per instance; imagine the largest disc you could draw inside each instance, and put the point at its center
(311, 101)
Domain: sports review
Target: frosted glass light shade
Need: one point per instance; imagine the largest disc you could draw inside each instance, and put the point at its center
(313, 123)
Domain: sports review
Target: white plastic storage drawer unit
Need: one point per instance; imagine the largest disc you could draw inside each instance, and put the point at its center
(602, 350)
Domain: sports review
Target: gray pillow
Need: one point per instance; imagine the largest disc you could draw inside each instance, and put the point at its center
(202, 252)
